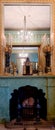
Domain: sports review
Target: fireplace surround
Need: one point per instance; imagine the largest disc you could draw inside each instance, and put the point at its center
(27, 102)
(9, 84)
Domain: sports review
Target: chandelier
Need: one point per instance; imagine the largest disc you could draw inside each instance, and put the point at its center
(24, 34)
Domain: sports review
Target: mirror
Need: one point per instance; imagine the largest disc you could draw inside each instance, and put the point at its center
(25, 25)
(20, 55)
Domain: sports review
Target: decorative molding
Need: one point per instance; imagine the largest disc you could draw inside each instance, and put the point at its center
(28, 1)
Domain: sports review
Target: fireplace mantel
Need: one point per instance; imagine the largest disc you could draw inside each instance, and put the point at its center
(29, 76)
(9, 83)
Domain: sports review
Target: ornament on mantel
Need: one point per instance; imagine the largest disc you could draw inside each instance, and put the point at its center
(8, 51)
(47, 49)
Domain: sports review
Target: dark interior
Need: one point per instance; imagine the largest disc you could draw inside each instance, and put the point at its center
(28, 102)
(27, 69)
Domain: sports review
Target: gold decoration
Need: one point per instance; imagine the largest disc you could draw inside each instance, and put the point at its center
(8, 49)
(47, 48)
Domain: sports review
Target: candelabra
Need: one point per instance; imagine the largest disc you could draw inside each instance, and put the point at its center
(47, 51)
(8, 50)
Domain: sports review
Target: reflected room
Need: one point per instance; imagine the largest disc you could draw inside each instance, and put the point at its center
(26, 35)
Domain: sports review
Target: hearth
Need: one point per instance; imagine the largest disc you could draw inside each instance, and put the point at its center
(28, 103)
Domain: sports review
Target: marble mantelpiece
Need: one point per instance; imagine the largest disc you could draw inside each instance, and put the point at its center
(9, 83)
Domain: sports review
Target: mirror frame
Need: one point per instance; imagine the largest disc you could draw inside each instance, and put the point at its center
(48, 2)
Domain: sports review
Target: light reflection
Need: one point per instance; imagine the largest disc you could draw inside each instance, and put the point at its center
(23, 54)
(28, 35)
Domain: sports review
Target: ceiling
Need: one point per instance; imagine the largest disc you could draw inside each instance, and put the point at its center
(37, 16)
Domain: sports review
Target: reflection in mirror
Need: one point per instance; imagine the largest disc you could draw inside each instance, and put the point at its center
(20, 54)
(25, 26)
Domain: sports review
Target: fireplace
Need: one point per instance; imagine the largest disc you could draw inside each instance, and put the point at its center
(27, 103)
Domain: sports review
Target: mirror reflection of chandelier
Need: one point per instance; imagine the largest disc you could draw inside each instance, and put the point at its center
(25, 35)
(23, 55)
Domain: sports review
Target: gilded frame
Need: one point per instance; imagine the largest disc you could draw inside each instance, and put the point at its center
(2, 2)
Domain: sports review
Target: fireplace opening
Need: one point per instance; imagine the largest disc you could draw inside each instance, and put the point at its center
(27, 103)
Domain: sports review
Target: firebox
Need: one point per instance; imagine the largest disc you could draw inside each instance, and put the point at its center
(28, 102)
